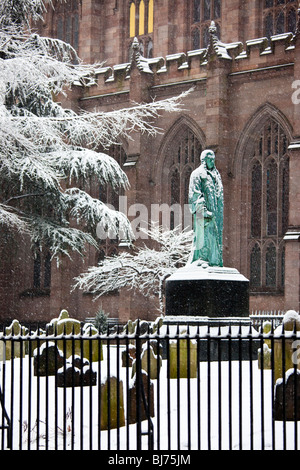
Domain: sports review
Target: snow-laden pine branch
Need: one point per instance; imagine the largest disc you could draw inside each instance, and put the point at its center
(11, 220)
(92, 129)
(59, 239)
(144, 269)
(76, 163)
(93, 212)
(20, 12)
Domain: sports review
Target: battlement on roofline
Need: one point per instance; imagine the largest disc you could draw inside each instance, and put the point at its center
(257, 53)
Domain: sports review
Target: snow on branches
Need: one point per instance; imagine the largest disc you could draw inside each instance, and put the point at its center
(46, 151)
(19, 12)
(145, 268)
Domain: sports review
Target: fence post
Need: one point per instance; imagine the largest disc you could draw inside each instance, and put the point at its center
(138, 387)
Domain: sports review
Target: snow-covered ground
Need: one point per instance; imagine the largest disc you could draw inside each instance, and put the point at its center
(191, 414)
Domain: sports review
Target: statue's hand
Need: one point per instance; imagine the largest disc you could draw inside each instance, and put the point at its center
(208, 215)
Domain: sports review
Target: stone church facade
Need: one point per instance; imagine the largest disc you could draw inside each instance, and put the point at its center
(241, 62)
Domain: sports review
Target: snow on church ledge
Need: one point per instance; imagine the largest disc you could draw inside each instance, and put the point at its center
(234, 51)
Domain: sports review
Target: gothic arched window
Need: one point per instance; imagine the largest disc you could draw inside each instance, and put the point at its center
(271, 262)
(141, 23)
(203, 12)
(268, 174)
(68, 22)
(256, 199)
(255, 266)
(279, 16)
(132, 25)
(184, 158)
(42, 271)
(110, 196)
(106, 192)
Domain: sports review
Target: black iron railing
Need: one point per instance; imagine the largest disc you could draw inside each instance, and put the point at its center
(186, 387)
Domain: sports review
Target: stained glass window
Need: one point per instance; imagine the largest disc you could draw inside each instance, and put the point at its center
(175, 187)
(111, 196)
(280, 27)
(150, 16)
(47, 270)
(67, 26)
(132, 20)
(186, 152)
(196, 39)
(271, 266)
(206, 10)
(292, 20)
(269, 25)
(217, 9)
(203, 12)
(37, 271)
(279, 17)
(142, 18)
(255, 266)
(269, 177)
(141, 24)
(284, 196)
(282, 267)
(271, 190)
(106, 193)
(196, 11)
(205, 41)
(256, 200)
(42, 270)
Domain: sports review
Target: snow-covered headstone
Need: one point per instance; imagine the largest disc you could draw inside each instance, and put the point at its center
(184, 366)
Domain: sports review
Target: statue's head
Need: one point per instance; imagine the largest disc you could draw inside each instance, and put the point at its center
(208, 158)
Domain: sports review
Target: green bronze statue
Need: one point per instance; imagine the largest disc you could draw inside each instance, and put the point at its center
(206, 204)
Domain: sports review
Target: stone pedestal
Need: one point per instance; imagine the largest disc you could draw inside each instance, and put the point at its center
(207, 292)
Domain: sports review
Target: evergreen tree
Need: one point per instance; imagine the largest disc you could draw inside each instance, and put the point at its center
(46, 150)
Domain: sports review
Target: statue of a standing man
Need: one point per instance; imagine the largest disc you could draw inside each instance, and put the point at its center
(206, 204)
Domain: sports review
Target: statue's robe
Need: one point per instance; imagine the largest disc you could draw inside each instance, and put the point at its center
(206, 204)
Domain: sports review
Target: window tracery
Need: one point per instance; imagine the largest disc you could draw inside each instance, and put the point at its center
(111, 197)
(67, 26)
(279, 16)
(268, 173)
(204, 11)
(183, 160)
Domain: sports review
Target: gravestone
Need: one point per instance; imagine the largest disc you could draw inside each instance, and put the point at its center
(128, 355)
(151, 361)
(47, 359)
(13, 348)
(65, 325)
(133, 395)
(111, 403)
(285, 346)
(183, 359)
(76, 372)
(264, 356)
(287, 397)
(92, 349)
